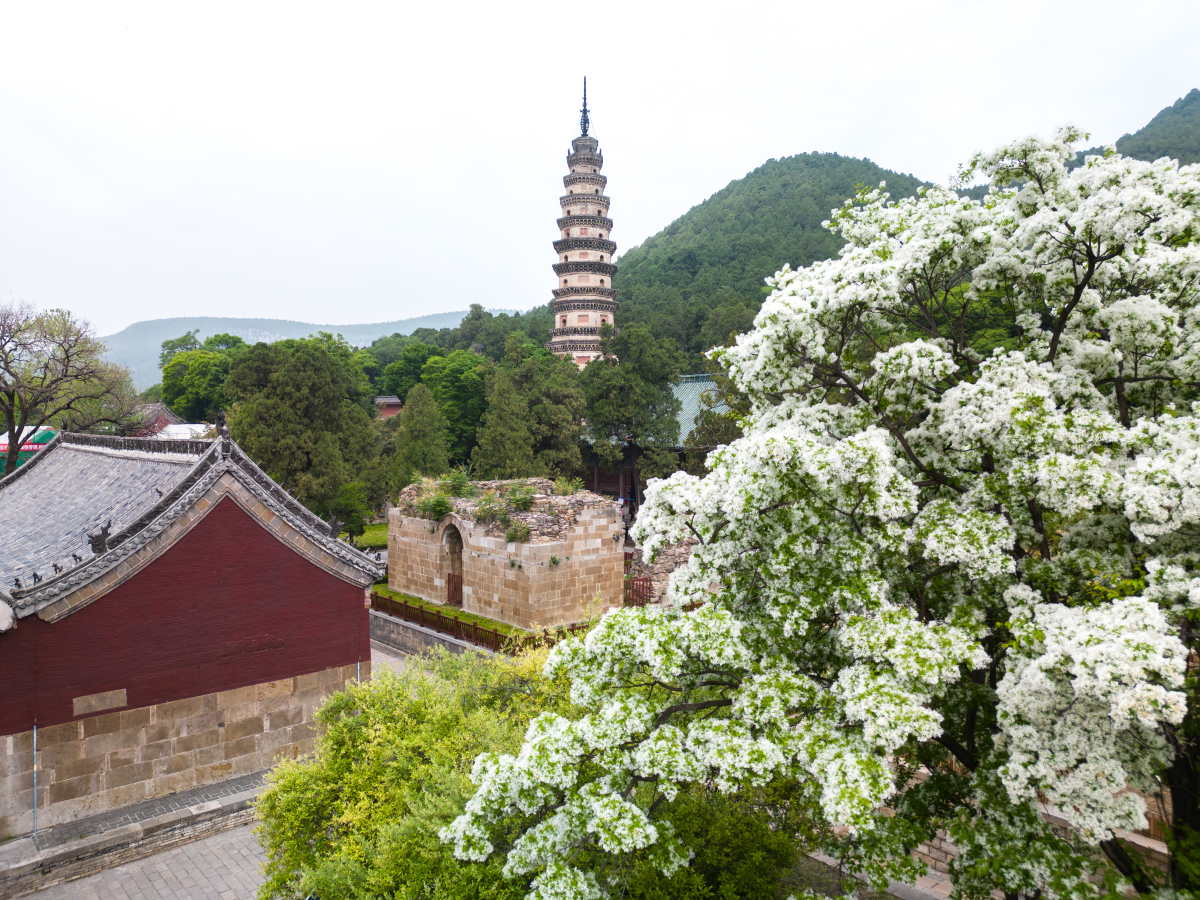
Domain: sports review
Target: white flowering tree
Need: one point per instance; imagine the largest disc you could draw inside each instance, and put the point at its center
(950, 575)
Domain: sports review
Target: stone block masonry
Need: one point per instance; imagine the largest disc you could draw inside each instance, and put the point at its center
(111, 760)
(571, 567)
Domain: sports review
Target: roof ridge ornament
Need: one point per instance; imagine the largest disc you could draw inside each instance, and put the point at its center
(99, 541)
(584, 121)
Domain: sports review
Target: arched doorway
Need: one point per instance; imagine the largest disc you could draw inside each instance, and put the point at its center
(452, 539)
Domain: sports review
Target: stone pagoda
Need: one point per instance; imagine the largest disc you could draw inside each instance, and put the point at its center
(584, 298)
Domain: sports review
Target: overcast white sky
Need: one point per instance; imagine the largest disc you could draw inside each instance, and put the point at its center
(358, 162)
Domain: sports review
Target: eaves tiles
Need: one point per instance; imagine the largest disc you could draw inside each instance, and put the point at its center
(149, 493)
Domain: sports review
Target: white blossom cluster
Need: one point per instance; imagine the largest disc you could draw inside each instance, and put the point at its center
(924, 516)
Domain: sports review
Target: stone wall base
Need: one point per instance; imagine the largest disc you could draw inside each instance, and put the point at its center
(408, 637)
(112, 760)
(29, 871)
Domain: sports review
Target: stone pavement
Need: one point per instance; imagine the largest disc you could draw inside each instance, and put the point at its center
(140, 812)
(227, 865)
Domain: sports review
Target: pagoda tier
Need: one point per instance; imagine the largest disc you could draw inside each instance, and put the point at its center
(584, 298)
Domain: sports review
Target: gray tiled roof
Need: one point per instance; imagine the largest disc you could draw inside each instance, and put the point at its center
(688, 392)
(79, 483)
(51, 507)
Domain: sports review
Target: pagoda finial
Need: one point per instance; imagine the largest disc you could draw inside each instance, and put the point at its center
(583, 113)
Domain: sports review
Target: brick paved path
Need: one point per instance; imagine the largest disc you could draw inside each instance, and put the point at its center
(226, 865)
(148, 809)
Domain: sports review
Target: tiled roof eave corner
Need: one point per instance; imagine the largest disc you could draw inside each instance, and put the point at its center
(217, 475)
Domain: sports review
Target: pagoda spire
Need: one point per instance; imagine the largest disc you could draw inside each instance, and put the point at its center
(583, 113)
(584, 298)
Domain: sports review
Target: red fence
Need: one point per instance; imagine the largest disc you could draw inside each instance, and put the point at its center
(465, 630)
(637, 591)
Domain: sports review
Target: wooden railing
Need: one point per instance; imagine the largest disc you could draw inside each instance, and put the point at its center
(465, 630)
(638, 591)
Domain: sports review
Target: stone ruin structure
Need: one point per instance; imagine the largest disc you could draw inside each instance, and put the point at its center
(584, 298)
(669, 558)
(570, 567)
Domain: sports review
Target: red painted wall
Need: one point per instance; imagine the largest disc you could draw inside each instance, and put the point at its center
(227, 606)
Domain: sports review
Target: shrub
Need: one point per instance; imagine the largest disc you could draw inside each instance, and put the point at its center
(491, 508)
(360, 817)
(554, 560)
(565, 487)
(518, 533)
(435, 507)
(457, 483)
(521, 497)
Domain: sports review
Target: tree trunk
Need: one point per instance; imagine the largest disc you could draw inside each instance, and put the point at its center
(1183, 777)
(635, 492)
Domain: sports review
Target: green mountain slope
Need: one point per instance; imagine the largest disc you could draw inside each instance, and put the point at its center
(702, 276)
(1174, 132)
(137, 346)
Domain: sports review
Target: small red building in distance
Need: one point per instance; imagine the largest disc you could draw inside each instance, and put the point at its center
(388, 406)
(169, 617)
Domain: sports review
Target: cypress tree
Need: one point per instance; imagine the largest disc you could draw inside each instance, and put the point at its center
(505, 448)
(421, 444)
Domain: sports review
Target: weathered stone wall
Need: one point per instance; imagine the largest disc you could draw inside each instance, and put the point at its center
(111, 760)
(553, 580)
(669, 558)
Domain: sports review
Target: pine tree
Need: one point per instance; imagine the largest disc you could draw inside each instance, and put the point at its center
(505, 448)
(421, 444)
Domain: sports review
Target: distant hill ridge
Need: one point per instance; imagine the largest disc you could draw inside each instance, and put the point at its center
(701, 277)
(137, 347)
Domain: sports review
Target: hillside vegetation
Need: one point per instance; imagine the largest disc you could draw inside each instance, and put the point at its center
(1174, 132)
(701, 277)
(137, 347)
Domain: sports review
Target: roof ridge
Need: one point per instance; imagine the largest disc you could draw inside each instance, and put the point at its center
(30, 463)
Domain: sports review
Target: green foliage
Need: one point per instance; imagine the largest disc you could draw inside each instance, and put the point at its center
(193, 384)
(181, 344)
(420, 440)
(352, 508)
(520, 496)
(487, 333)
(457, 384)
(152, 394)
(1174, 132)
(457, 483)
(491, 507)
(435, 507)
(554, 397)
(225, 343)
(302, 416)
(565, 487)
(739, 855)
(631, 407)
(701, 277)
(359, 819)
(554, 560)
(404, 372)
(369, 364)
(505, 448)
(374, 537)
(517, 533)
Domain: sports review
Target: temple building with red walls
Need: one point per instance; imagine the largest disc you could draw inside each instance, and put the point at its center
(169, 618)
(584, 298)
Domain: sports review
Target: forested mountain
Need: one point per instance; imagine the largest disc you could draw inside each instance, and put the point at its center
(702, 276)
(137, 347)
(1174, 132)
